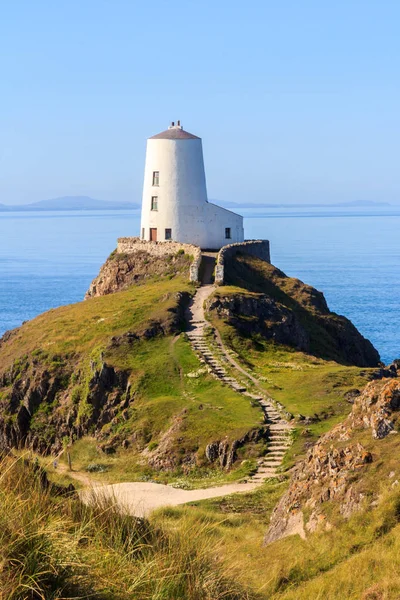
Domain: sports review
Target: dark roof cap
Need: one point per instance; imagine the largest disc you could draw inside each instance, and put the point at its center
(175, 132)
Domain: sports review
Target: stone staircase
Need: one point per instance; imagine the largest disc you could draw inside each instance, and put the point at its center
(216, 357)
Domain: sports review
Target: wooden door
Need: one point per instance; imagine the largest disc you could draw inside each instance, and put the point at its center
(153, 234)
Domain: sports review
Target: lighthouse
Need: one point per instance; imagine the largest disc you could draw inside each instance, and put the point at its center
(175, 204)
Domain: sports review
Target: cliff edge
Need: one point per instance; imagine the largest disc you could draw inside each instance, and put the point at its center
(260, 300)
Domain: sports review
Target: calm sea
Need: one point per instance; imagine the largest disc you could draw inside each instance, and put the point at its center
(49, 259)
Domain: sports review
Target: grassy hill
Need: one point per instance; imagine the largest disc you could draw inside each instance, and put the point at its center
(109, 378)
(115, 381)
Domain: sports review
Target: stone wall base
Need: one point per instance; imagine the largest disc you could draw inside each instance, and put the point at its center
(130, 245)
(258, 248)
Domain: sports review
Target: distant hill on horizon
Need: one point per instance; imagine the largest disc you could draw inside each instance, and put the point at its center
(88, 203)
(354, 203)
(70, 203)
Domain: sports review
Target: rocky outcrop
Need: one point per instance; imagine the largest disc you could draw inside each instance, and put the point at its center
(42, 407)
(335, 464)
(289, 312)
(262, 315)
(121, 270)
(225, 452)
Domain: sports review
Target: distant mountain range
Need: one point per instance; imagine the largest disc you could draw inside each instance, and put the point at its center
(69, 203)
(87, 203)
(355, 204)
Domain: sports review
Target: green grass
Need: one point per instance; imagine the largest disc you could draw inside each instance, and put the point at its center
(81, 328)
(323, 565)
(172, 415)
(54, 548)
(178, 413)
(331, 336)
(303, 384)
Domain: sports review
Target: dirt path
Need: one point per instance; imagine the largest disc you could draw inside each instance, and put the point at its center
(140, 498)
(85, 480)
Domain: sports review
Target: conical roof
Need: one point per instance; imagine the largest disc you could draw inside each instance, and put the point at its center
(175, 132)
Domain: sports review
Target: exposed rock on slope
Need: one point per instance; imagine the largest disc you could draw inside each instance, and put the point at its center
(289, 312)
(123, 270)
(261, 314)
(42, 403)
(336, 462)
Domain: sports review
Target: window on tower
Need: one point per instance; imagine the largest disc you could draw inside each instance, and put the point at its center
(156, 177)
(142, 233)
(168, 234)
(227, 233)
(154, 203)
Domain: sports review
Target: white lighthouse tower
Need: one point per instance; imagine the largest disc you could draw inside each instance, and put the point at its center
(175, 205)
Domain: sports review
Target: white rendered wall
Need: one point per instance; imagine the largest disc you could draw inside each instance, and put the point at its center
(182, 197)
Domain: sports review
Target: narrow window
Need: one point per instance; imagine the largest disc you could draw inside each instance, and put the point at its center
(156, 177)
(168, 234)
(228, 233)
(142, 233)
(154, 203)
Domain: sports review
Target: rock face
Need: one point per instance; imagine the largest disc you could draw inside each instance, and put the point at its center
(261, 314)
(225, 452)
(289, 312)
(333, 465)
(42, 404)
(123, 270)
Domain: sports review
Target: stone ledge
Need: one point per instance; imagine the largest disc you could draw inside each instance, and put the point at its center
(130, 245)
(258, 248)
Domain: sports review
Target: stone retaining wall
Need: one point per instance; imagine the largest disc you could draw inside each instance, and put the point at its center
(258, 248)
(130, 245)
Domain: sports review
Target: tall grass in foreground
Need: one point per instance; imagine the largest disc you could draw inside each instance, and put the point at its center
(52, 548)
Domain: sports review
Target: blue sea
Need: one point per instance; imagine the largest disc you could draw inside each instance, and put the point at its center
(49, 258)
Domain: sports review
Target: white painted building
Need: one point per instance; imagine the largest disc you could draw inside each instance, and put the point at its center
(175, 205)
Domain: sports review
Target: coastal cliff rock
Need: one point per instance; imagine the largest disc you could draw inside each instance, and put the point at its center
(289, 312)
(45, 400)
(226, 453)
(261, 315)
(335, 466)
(123, 270)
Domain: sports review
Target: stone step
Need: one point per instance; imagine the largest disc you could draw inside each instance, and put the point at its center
(274, 457)
(263, 470)
(281, 429)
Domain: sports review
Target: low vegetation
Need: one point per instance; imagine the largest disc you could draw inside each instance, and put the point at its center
(111, 379)
(52, 548)
(159, 409)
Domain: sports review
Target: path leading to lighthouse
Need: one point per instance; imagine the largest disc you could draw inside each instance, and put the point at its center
(229, 372)
(140, 498)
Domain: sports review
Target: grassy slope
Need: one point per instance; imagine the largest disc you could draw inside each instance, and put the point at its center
(323, 566)
(204, 409)
(200, 409)
(54, 548)
(303, 384)
(232, 529)
(79, 328)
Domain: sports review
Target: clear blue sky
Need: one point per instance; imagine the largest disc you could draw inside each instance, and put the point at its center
(296, 100)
